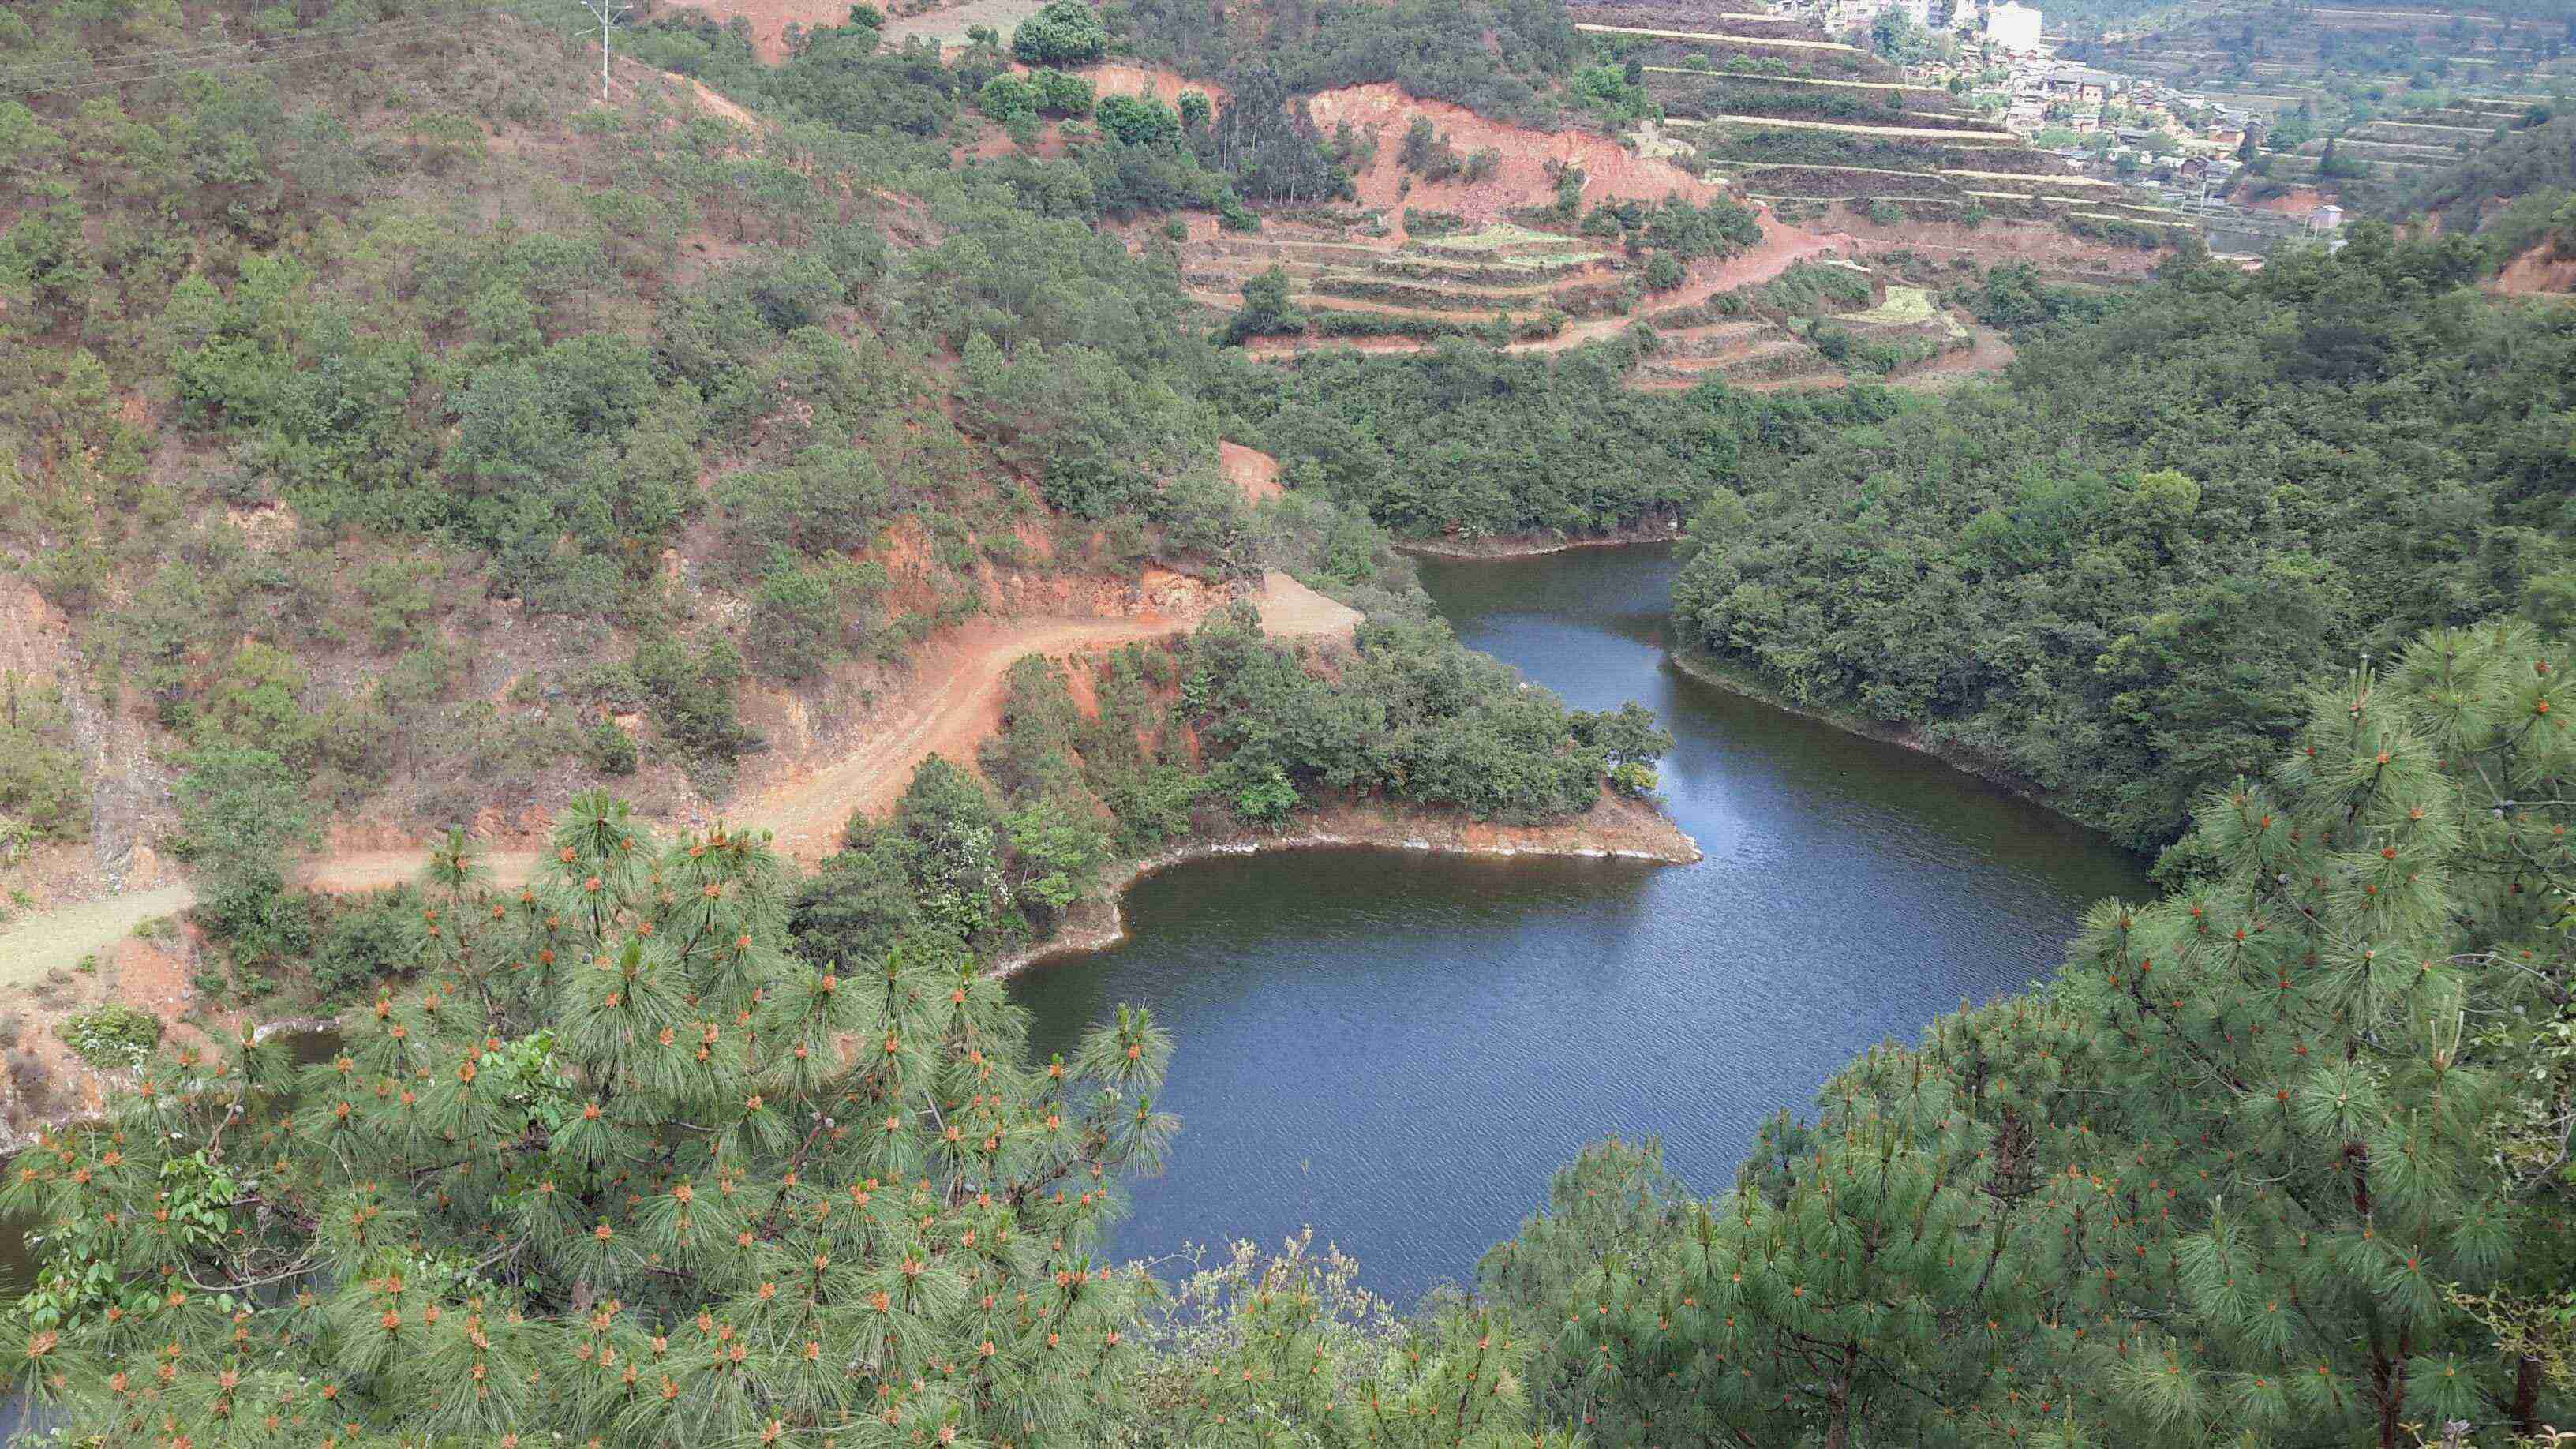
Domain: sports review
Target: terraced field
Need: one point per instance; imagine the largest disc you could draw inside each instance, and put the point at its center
(1491, 274)
(1748, 42)
(1380, 277)
(1543, 291)
(2005, 139)
(1842, 133)
(1499, 238)
(1708, 73)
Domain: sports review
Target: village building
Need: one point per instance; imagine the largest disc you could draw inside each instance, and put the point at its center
(2079, 86)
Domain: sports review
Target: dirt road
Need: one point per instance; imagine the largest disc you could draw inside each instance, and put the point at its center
(56, 940)
(961, 711)
(952, 707)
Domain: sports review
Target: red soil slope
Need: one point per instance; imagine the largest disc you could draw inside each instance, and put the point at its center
(1253, 471)
(1610, 169)
(2536, 273)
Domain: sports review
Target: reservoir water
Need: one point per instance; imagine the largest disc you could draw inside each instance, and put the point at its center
(1397, 1048)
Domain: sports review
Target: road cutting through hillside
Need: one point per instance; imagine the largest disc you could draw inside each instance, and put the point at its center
(949, 710)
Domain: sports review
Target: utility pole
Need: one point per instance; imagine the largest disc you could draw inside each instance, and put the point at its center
(607, 11)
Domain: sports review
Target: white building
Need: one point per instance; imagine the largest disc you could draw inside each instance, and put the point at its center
(2013, 26)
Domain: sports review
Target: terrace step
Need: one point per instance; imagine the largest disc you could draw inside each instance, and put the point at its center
(1711, 37)
(1970, 140)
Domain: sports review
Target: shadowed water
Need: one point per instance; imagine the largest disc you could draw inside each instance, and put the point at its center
(1398, 1048)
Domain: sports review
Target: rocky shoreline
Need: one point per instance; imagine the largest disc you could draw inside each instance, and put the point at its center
(1614, 829)
(1510, 546)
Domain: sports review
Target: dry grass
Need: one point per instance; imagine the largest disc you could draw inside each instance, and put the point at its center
(949, 26)
(1904, 306)
(1500, 234)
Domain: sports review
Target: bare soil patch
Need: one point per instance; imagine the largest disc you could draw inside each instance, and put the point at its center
(1610, 169)
(1290, 610)
(1253, 471)
(56, 940)
(2536, 273)
(948, 24)
(1118, 78)
(1989, 354)
(44, 1082)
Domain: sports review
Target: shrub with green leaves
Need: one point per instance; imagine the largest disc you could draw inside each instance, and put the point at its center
(113, 1036)
(41, 792)
(1007, 98)
(1138, 120)
(1059, 94)
(1065, 32)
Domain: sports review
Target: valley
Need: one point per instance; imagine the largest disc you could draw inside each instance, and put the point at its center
(1366, 724)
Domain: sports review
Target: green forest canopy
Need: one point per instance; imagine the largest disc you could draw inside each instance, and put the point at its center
(2117, 574)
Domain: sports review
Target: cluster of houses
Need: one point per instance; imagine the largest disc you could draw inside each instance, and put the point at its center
(2039, 93)
(2133, 129)
(2008, 25)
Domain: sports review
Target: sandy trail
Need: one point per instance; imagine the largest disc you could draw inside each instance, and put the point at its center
(951, 718)
(56, 940)
(950, 710)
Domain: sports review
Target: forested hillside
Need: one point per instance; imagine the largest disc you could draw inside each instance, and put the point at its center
(2522, 161)
(2512, 191)
(396, 437)
(2116, 575)
(1472, 442)
(2280, 1159)
(404, 421)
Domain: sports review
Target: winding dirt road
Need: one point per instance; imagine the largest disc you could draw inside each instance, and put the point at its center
(949, 710)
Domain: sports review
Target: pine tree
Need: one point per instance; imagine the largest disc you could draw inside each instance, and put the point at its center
(2246, 1172)
(615, 1169)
